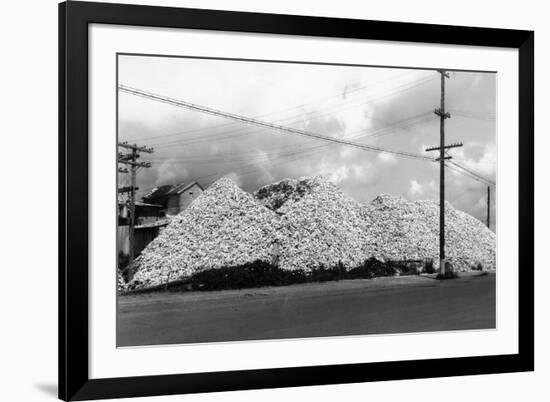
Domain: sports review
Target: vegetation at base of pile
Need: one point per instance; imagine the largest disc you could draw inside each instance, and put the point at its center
(448, 275)
(429, 268)
(255, 274)
(260, 273)
(478, 267)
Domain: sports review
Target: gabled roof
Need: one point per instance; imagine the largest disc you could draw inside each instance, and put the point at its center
(180, 188)
(144, 204)
(140, 204)
(158, 193)
(160, 222)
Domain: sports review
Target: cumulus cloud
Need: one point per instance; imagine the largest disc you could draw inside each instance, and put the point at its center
(334, 174)
(168, 172)
(387, 158)
(235, 177)
(419, 190)
(415, 189)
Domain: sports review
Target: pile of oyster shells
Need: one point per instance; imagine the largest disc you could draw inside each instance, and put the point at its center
(305, 224)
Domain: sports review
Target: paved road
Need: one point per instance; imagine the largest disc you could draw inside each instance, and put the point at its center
(385, 305)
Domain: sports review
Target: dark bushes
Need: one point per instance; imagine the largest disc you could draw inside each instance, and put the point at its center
(478, 267)
(372, 268)
(261, 273)
(323, 274)
(250, 275)
(429, 267)
(448, 275)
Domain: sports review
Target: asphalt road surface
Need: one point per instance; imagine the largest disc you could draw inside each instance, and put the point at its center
(358, 307)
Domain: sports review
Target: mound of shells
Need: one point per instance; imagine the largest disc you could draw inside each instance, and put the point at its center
(409, 230)
(224, 226)
(306, 224)
(319, 224)
(121, 283)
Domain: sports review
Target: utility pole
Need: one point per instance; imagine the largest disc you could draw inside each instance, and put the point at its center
(488, 206)
(130, 159)
(442, 157)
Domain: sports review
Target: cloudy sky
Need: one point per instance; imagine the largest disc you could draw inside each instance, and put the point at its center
(384, 107)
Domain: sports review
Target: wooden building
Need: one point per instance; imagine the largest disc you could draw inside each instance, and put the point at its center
(143, 235)
(150, 219)
(145, 213)
(151, 215)
(174, 198)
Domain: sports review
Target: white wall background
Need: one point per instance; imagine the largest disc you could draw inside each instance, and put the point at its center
(28, 197)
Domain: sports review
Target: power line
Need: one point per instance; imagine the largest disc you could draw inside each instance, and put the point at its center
(247, 120)
(472, 174)
(345, 92)
(236, 117)
(315, 114)
(236, 157)
(477, 116)
(401, 124)
(464, 173)
(319, 114)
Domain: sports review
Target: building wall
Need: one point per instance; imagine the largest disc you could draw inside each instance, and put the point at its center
(142, 237)
(172, 205)
(186, 197)
(122, 239)
(147, 214)
(179, 202)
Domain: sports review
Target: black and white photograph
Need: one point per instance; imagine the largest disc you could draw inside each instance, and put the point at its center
(268, 199)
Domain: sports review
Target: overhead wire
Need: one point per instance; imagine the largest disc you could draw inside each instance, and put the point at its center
(237, 117)
(240, 132)
(471, 173)
(471, 115)
(311, 114)
(273, 126)
(345, 92)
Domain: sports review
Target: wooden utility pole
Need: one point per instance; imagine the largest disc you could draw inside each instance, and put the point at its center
(130, 159)
(488, 206)
(442, 157)
(131, 237)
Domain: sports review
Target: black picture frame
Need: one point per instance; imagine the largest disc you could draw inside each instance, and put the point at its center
(74, 381)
